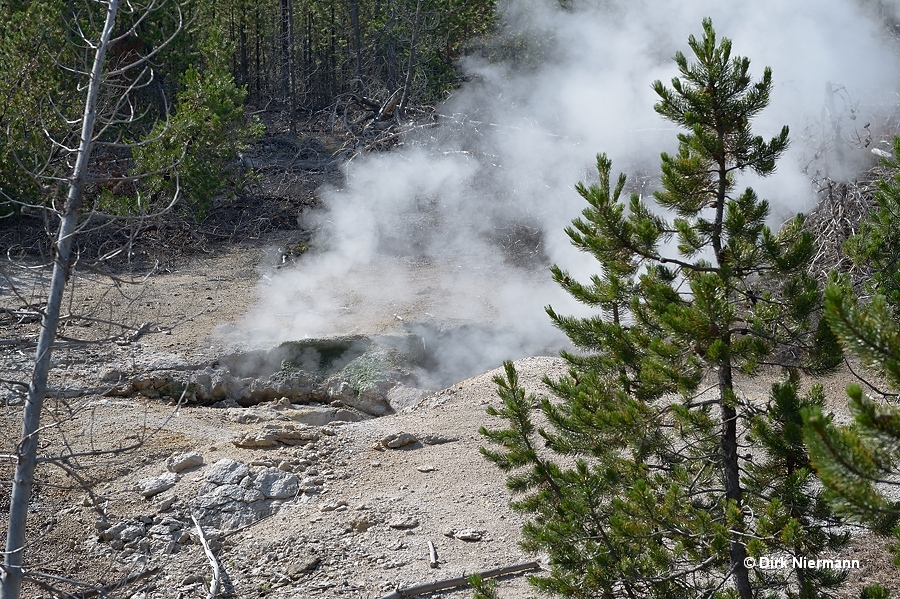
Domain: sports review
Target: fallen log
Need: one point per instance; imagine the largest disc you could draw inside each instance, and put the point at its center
(459, 581)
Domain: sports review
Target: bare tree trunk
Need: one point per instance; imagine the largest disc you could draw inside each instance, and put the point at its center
(357, 43)
(285, 50)
(11, 582)
(410, 67)
(292, 67)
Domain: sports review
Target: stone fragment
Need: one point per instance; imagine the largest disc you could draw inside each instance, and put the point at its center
(178, 463)
(321, 415)
(469, 534)
(302, 565)
(397, 440)
(148, 487)
(312, 484)
(426, 468)
(403, 522)
(276, 484)
(271, 435)
(435, 439)
(361, 524)
(222, 498)
(113, 531)
(166, 504)
(132, 533)
(113, 376)
(333, 505)
(159, 530)
(226, 472)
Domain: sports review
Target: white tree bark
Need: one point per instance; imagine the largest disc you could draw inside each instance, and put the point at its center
(11, 581)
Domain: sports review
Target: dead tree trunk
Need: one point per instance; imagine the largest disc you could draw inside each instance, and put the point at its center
(411, 65)
(26, 453)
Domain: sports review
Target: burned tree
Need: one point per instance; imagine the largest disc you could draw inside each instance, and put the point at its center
(110, 84)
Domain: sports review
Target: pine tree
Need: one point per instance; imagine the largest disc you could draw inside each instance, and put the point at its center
(655, 476)
(859, 463)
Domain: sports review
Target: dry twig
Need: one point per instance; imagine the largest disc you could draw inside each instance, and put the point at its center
(459, 581)
(213, 562)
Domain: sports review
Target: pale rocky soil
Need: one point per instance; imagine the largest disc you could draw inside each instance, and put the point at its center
(364, 528)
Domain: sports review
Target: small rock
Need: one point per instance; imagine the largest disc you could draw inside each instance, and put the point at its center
(113, 376)
(361, 524)
(434, 439)
(148, 487)
(397, 440)
(332, 506)
(158, 530)
(177, 463)
(166, 504)
(303, 565)
(276, 484)
(132, 533)
(320, 415)
(426, 468)
(403, 523)
(226, 472)
(469, 534)
(270, 435)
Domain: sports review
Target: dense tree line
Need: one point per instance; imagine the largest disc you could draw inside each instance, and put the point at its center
(207, 62)
(305, 53)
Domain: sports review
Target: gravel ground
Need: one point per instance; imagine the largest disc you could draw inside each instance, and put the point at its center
(362, 530)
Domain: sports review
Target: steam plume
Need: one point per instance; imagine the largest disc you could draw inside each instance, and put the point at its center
(459, 225)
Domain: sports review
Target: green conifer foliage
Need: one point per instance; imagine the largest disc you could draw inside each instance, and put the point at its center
(655, 476)
(859, 463)
(877, 245)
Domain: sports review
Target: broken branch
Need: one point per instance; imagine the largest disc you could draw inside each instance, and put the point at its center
(213, 562)
(459, 581)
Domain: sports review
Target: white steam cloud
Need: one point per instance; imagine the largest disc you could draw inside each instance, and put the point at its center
(460, 225)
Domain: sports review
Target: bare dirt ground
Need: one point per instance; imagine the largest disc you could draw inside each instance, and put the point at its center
(398, 499)
(362, 516)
